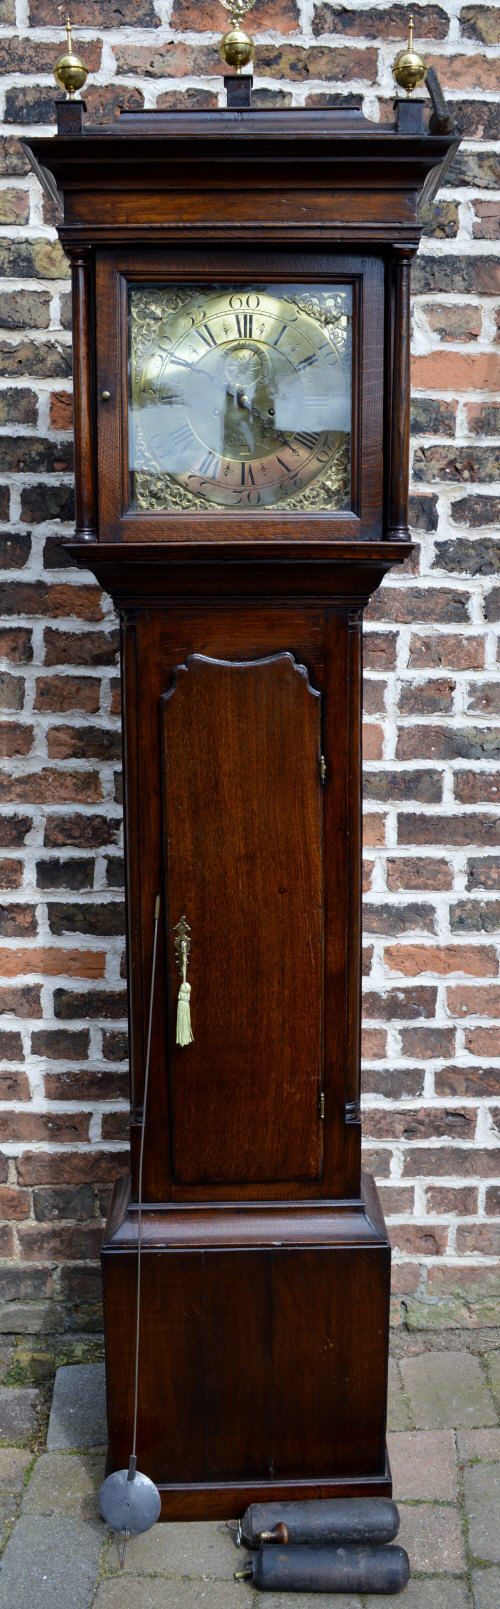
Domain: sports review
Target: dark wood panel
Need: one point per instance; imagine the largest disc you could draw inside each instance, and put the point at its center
(238, 1344)
(330, 1340)
(243, 814)
(171, 1416)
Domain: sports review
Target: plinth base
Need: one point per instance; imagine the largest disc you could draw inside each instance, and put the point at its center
(263, 1352)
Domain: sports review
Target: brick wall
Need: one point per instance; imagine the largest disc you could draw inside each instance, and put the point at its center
(432, 879)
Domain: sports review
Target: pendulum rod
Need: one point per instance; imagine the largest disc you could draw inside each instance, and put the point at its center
(128, 1501)
(133, 1459)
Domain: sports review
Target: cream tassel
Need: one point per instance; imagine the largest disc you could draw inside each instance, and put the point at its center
(184, 1034)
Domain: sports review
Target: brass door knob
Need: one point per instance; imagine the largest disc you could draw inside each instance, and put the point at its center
(105, 396)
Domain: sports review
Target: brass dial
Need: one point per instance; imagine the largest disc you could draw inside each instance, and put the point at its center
(243, 397)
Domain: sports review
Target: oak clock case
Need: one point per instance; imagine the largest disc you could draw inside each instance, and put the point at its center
(242, 406)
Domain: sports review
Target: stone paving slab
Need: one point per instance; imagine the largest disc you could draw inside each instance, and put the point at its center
(65, 1483)
(78, 1412)
(424, 1464)
(18, 1412)
(123, 1593)
(478, 1444)
(398, 1417)
(482, 1503)
(433, 1538)
(486, 1589)
(447, 1388)
(202, 1549)
(50, 1564)
(493, 1364)
(442, 1594)
(14, 1462)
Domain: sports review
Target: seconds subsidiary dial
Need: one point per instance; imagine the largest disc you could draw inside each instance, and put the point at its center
(240, 398)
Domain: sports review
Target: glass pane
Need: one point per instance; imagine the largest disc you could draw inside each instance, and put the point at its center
(240, 398)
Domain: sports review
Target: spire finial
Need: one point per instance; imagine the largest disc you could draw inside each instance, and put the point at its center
(69, 71)
(236, 47)
(409, 68)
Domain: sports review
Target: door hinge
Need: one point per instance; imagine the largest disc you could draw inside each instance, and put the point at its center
(321, 1106)
(322, 767)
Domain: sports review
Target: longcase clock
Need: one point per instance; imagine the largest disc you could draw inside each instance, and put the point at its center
(241, 307)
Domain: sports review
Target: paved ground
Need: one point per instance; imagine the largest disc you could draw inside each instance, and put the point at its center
(445, 1452)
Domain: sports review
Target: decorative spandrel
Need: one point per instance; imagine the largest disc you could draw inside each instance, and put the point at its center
(240, 397)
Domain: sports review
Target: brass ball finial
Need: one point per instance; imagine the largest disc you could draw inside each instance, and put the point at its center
(236, 47)
(409, 68)
(69, 71)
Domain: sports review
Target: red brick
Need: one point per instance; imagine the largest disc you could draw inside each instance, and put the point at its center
(400, 1004)
(82, 1085)
(23, 1002)
(281, 15)
(68, 693)
(476, 787)
(417, 1240)
(475, 1081)
(464, 1000)
(381, 21)
(394, 1083)
(11, 873)
(80, 647)
(426, 1123)
(373, 830)
(83, 743)
(483, 1238)
(373, 741)
(373, 1043)
(379, 650)
(408, 605)
(14, 1203)
(492, 1200)
(15, 739)
(76, 1241)
(55, 1127)
(425, 698)
(448, 1199)
(461, 322)
(456, 653)
(457, 371)
(366, 875)
(52, 787)
(71, 1167)
(39, 598)
(459, 829)
(116, 696)
(482, 1041)
(292, 62)
(397, 1198)
(416, 873)
(6, 1241)
(451, 1161)
(14, 1086)
(478, 959)
(483, 871)
(16, 645)
(483, 418)
(405, 1278)
(466, 1283)
(61, 410)
(53, 962)
(486, 222)
(427, 1043)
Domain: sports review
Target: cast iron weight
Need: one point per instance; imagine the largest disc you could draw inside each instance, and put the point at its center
(128, 1501)
(337, 1519)
(349, 1567)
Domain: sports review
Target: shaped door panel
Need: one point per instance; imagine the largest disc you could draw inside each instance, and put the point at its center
(243, 855)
